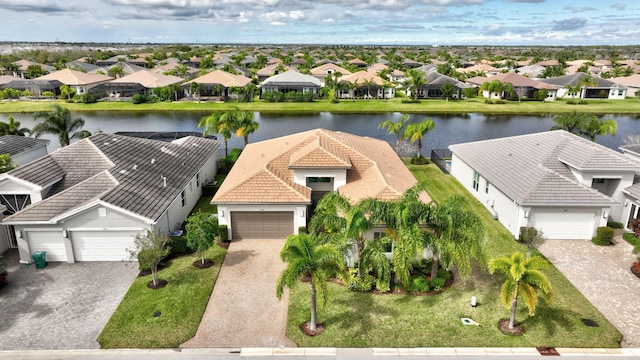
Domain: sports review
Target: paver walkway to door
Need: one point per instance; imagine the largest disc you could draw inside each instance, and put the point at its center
(243, 310)
(602, 275)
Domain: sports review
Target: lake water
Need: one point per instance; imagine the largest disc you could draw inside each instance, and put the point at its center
(450, 129)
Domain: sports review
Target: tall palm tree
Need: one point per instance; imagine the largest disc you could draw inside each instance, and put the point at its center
(595, 127)
(245, 125)
(523, 277)
(587, 81)
(458, 236)
(307, 255)
(222, 123)
(415, 80)
(416, 131)
(369, 83)
(59, 122)
(395, 128)
(12, 127)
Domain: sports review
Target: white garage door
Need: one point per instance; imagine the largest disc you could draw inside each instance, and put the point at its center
(565, 225)
(261, 225)
(102, 245)
(49, 241)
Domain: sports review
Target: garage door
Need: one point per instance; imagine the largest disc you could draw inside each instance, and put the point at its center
(102, 245)
(261, 225)
(49, 241)
(565, 225)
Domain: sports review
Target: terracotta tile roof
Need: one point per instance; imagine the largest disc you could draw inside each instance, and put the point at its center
(361, 76)
(323, 70)
(269, 70)
(534, 169)
(264, 171)
(149, 79)
(223, 78)
(74, 77)
(137, 175)
(518, 80)
(478, 68)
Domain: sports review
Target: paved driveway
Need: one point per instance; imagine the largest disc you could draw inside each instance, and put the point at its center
(63, 306)
(243, 310)
(602, 275)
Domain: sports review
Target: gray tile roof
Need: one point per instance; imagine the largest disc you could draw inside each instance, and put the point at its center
(575, 79)
(533, 169)
(126, 172)
(634, 190)
(632, 148)
(292, 77)
(13, 144)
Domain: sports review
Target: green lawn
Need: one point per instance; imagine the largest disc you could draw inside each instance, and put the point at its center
(182, 303)
(476, 105)
(365, 320)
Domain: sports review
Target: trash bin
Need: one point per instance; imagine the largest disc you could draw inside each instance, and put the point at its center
(40, 259)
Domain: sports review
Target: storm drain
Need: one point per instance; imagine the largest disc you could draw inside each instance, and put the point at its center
(589, 322)
(547, 351)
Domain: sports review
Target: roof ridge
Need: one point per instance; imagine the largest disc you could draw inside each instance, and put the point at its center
(90, 141)
(275, 175)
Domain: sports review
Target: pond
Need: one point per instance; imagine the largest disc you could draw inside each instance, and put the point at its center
(450, 129)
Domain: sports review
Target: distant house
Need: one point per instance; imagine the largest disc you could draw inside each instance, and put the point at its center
(191, 72)
(79, 81)
(291, 81)
(89, 200)
(485, 69)
(603, 89)
(35, 87)
(366, 85)
(217, 83)
(81, 66)
(555, 181)
(632, 83)
(271, 70)
(141, 82)
(525, 87)
(358, 63)
(23, 68)
(531, 71)
(322, 71)
(127, 69)
(433, 86)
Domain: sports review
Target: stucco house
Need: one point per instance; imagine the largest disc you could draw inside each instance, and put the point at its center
(141, 82)
(555, 181)
(23, 149)
(632, 193)
(291, 81)
(217, 83)
(272, 189)
(323, 70)
(88, 201)
(79, 81)
(366, 85)
(602, 89)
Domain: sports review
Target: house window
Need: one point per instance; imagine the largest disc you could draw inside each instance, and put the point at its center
(378, 235)
(319, 179)
(620, 92)
(184, 198)
(598, 181)
(198, 179)
(486, 187)
(476, 180)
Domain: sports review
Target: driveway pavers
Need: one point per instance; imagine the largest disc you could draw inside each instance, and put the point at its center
(602, 275)
(243, 310)
(63, 306)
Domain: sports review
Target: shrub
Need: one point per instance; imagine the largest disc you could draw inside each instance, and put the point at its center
(634, 226)
(140, 98)
(419, 284)
(615, 225)
(631, 239)
(438, 283)
(442, 273)
(223, 233)
(87, 99)
(178, 246)
(356, 283)
(571, 102)
(419, 160)
(303, 230)
(48, 94)
(605, 235)
(582, 102)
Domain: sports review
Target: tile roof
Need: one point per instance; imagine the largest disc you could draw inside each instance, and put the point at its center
(633, 190)
(521, 81)
(13, 144)
(75, 77)
(291, 77)
(534, 169)
(223, 78)
(324, 69)
(138, 175)
(264, 171)
(149, 79)
(361, 76)
(576, 79)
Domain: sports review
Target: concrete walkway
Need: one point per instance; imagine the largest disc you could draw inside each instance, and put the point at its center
(602, 275)
(243, 310)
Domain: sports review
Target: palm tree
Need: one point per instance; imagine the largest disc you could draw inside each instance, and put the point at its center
(573, 90)
(194, 89)
(58, 122)
(245, 125)
(416, 131)
(493, 87)
(571, 122)
(116, 72)
(369, 83)
(595, 127)
(12, 127)
(586, 82)
(222, 123)
(458, 236)
(307, 255)
(523, 276)
(395, 128)
(415, 81)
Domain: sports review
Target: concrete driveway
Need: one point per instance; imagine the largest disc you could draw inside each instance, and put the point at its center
(602, 275)
(243, 310)
(63, 306)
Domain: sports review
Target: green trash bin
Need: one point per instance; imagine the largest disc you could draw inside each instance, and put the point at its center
(40, 259)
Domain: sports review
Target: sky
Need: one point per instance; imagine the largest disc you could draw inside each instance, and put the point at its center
(349, 22)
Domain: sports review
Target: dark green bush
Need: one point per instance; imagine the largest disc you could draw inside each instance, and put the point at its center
(419, 160)
(356, 283)
(140, 98)
(223, 233)
(179, 246)
(87, 99)
(527, 234)
(615, 225)
(631, 239)
(419, 284)
(605, 235)
(438, 283)
(303, 230)
(209, 190)
(442, 273)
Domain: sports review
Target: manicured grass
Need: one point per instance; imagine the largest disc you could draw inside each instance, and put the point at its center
(182, 303)
(476, 105)
(366, 320)
(204, 204)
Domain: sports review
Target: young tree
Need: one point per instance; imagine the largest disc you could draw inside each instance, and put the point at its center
(34, 71)
(416, 131)
(523, 277)
(67, 91)
(395, 128)
(596, 127)
(447, 90)
(115, 71)
(307, 255)
(201, 232)
(58, 122)
(150, 249)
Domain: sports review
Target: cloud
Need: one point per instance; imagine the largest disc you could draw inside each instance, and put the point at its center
(43, 6)
(569, 24)
(577, 9)
(618, 6)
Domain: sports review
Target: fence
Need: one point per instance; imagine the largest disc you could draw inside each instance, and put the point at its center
(441, 157)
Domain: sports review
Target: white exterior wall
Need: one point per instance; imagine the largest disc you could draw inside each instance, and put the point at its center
(11, 186)
(175, 215)
(617, 94)
(625, 180)
(299, 213)
(339, 176)
(510, 214)
(28, 156)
